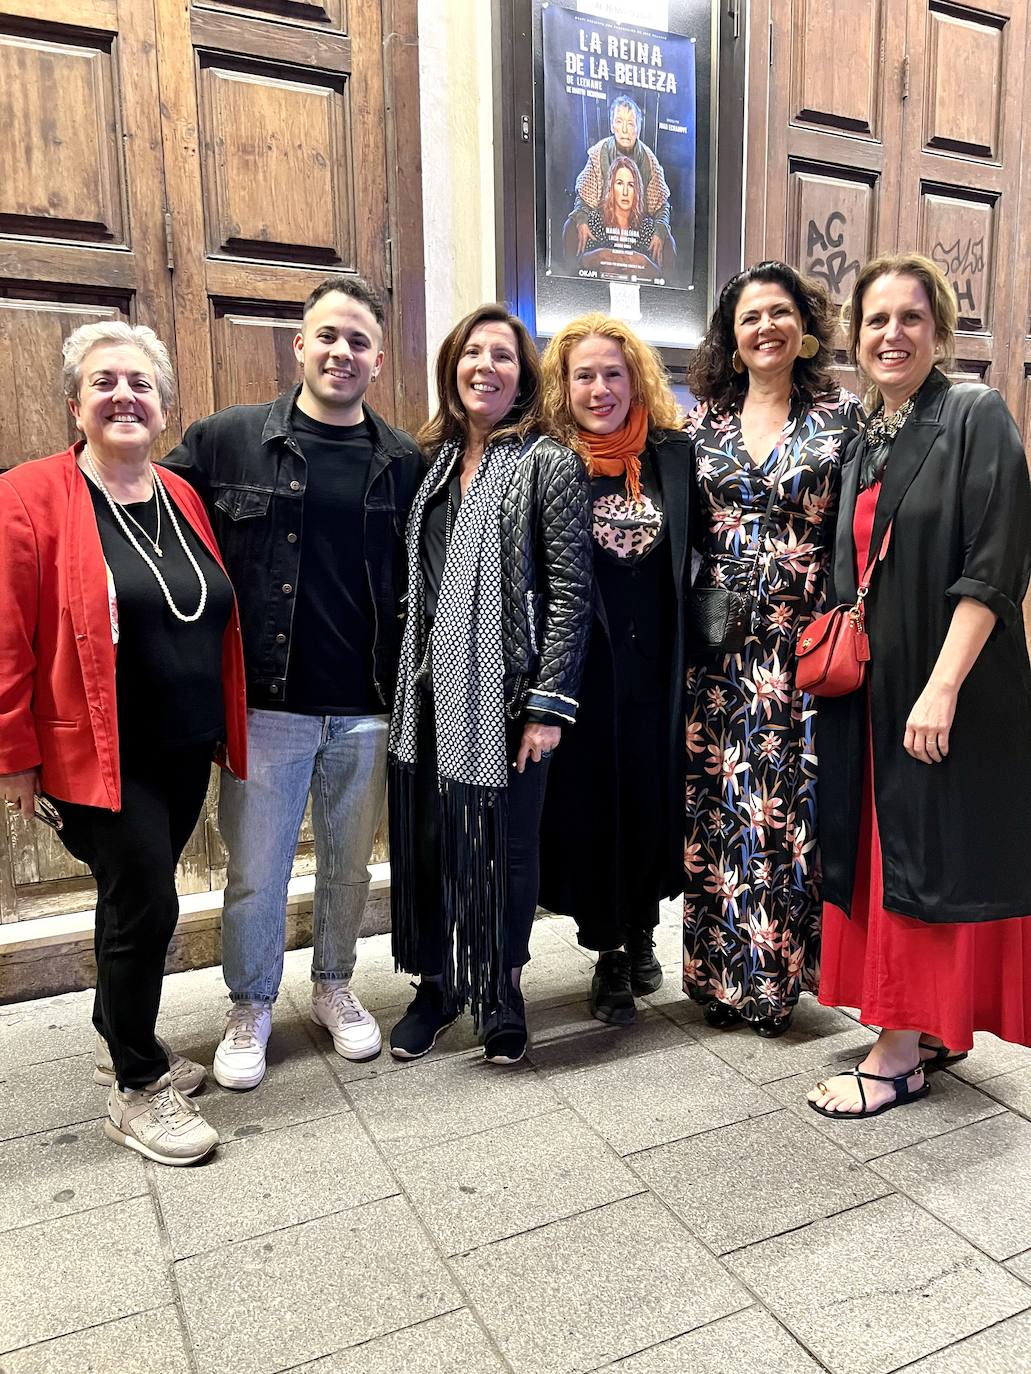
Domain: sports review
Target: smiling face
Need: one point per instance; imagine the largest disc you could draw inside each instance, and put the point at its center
(897, 337)
(623, 190)
(340, 349)
(624, 128)
(600, 390)
(488, 375)
(118, 408)
(768, 328)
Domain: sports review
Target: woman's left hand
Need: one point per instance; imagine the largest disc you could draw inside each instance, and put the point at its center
(929, 723)
(537, 743)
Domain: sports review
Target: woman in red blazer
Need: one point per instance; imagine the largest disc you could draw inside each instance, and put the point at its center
(121, 673)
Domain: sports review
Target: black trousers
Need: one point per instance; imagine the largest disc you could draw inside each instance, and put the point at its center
(525, 804)
(132, 854)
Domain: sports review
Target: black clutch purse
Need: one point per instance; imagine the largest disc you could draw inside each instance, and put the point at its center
(718, 620)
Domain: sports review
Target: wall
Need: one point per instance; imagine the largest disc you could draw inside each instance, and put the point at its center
(457, 163)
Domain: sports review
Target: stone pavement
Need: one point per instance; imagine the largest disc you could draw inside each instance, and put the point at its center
(648, 1200)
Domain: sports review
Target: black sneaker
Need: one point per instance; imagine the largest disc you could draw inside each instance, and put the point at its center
(504, 1035)
(611, 997)
(645, 969)
(426, 1018)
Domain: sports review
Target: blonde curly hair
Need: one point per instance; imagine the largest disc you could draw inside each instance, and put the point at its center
(649, 382)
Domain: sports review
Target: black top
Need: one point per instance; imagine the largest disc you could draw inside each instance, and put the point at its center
(168, 675)
(330, 667)
(434, 537)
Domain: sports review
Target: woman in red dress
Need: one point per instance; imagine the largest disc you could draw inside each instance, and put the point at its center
(925, 777)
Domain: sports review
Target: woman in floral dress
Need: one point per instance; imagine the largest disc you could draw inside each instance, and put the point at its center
(769, 411)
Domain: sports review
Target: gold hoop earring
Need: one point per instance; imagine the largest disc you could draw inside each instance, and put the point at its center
(736, 363)
(809, 346)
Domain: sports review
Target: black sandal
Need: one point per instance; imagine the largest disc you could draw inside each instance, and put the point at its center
(903, 1093)
(942, 1058)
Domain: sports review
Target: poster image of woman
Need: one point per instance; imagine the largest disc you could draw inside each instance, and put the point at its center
(622, 234)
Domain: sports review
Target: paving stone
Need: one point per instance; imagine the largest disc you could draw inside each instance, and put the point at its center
(267, 1182)
(69, 1170)
(719, 1349)
(639, 1102)
(991, 1057)
(755, 1179)
(47, 1096)
(669, 941)
(949, 1105)
(878, 1286)
(595, 1287)
(1021, 1265)
(452, 1344)
(977, 1180)
(1001, 1350)
(184, 994)
(672, 1000)
(574, 1041)
(491, 1185)
(557, 975)
(47, 1029)
(1013, 1090)
(818, 1036)
(408, 1111)
(77, 1271)
(151, 1341)
(312, 1290)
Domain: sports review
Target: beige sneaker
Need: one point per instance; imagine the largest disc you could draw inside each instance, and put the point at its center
(187, 1076)
(159, 1122)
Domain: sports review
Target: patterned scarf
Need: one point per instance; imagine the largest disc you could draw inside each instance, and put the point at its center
(469, 705)
(610, 455)
(879, 434)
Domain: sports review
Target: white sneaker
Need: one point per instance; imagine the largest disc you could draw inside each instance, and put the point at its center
(355, 1033)
(187, 1076)
(240, 1057)
(159, 1122)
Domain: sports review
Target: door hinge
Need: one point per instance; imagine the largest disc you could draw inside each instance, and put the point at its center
(388, 262)
(734, 14)
(771, 46)
(169, 242)
(905, 77)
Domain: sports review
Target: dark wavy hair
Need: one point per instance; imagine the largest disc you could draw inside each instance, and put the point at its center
(711, 375)
(450, 420)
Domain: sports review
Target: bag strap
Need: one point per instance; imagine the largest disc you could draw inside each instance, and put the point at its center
(764, 523)
(874, 559)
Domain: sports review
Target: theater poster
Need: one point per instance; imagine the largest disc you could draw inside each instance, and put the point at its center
(624, 169)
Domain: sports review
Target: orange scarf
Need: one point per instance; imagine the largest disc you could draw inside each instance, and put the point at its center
(612, 455)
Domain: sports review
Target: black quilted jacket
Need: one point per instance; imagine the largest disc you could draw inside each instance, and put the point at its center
(547, 571)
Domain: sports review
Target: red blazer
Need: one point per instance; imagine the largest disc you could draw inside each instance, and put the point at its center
(57, 659)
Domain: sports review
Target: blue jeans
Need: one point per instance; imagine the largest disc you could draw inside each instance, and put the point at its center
(341, 761)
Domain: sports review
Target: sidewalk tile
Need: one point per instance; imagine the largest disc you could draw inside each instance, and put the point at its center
(1013, 1090)
(575, 1040)
(818, 1036)
(977, 1180)
(185, 994)
(720, 1347)
(595, 1287)
(879, 1286)
(557, 975)
(1021, 1266)
(949, 1104)
(755, 1179)
(474, 1191)
(267, 1182)
(652, 1099)
(673, 1001)
(1001, 1350)
(151, 1341)
(452, 1344)
(51, 1028)
(45, 1097)
(77, 1271)
(991, 1057)
(71, 1170)
(312, 1290)
(408, 1111)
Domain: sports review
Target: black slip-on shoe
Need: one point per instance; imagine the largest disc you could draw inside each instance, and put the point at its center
(427, 1017)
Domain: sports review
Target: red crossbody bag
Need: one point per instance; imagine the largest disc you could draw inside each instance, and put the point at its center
(833, 650)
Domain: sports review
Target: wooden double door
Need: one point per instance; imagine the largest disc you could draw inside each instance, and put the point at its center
(878, 125)
(196, 166)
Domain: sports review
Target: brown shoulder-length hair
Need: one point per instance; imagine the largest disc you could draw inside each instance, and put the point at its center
(940, 297)
(711, 375)
(649, 383)
(608, 205)
(450, 420)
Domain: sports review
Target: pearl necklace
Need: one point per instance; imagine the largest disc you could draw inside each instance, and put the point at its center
(162, 496)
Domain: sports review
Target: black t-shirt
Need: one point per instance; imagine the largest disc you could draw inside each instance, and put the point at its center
(331, 639)
(439, 518)
(168, 674)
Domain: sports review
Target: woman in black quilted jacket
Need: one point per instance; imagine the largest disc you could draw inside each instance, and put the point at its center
(499, 576)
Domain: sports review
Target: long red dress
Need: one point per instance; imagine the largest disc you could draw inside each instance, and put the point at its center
(903, 974)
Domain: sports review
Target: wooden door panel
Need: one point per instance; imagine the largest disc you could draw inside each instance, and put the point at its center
(250, 350)
(959, 235)
(831, 230)
(965, 54)
(331, 14)
(827, 91)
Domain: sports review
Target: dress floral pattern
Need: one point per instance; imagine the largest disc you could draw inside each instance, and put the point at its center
(752, 873)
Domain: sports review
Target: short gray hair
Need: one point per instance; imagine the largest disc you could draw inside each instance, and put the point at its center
(83, 340)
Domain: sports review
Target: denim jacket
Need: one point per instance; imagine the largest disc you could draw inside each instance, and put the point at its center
(248, 467)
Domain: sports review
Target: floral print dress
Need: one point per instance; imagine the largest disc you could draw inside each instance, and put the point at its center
(752, 877)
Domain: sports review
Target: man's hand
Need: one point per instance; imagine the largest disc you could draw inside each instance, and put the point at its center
(537, 743)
